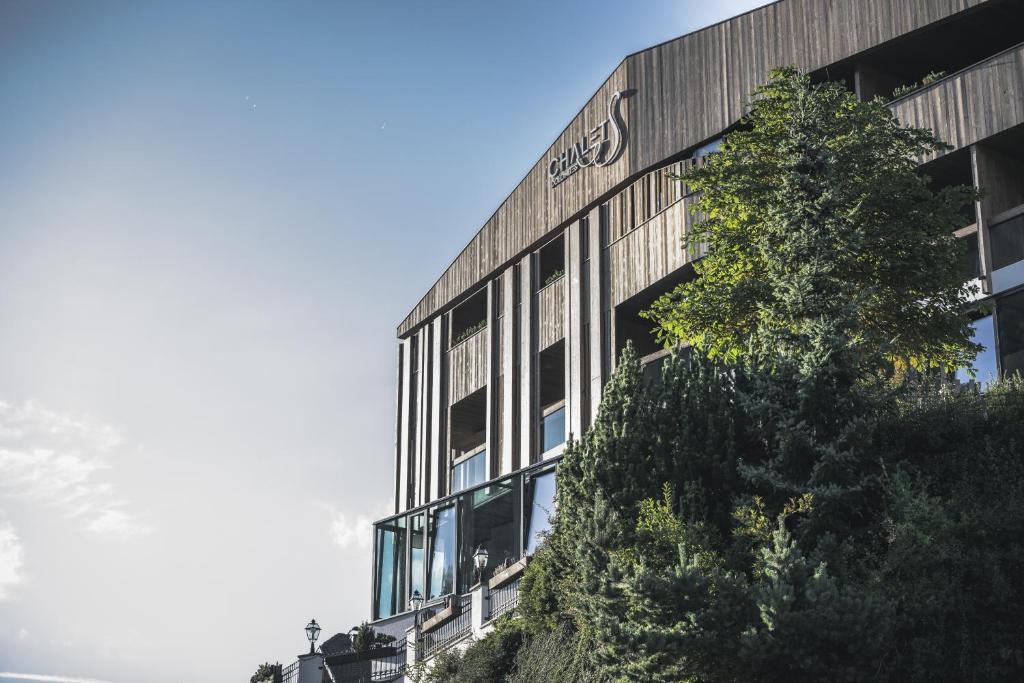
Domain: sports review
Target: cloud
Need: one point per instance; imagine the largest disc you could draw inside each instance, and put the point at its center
(353, 530)
(59, 461)
(10, 559)
(50, 679)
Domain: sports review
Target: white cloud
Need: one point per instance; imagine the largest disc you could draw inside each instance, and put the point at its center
(59, 460)
(10, 559)
(49, 679)
(353, 530)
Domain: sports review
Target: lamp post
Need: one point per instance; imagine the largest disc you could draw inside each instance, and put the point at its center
(480, 562)
(416, 600)
(312, 632)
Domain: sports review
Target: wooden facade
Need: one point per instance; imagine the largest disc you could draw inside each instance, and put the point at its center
(623, 224)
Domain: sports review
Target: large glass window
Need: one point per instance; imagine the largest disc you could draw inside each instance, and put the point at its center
(469, 472)
(552, 429)
(540, 507)
(1007, 242)
(441, 579)
(1010, 317)
(390, 563)
(489, 520)
(417, 554)
(985, 367)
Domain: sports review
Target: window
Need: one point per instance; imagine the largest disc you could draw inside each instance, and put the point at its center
(971, 258)
(441, 580)
(540, 507)
(551, 261)
(1007, 242)
(469, 472)
(417, 554)
(985, 368)
(469, 317)
(552, 429)
(489, 519)
(390, 563)
(552, 397)
(1010, 316)
(1007, 238)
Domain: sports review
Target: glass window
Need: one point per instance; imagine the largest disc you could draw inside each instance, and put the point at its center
(540, 507)
(442, 552)
(1007, 242)
(489, 520)
(1010, 317)
(417, 554)
(390, 563)
(469, 472)
(985, 368)
(971, 259)
(553, 430)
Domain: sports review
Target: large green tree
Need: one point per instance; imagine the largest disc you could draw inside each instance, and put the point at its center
(821, 234)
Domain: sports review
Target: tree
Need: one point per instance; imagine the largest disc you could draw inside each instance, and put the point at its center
(366, 638)
(266, 673)
(824, 244)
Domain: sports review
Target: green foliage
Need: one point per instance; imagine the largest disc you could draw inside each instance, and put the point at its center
(822, 239)
(554, 277)
(366, 638)
(266, 672)
(555, 656)
(930, 77)
(492, 658)
(469, 332)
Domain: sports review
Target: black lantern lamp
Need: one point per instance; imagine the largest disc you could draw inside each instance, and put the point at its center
(480, 562)
(312, 632)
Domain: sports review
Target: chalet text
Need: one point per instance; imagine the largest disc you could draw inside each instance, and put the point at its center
(599, 146)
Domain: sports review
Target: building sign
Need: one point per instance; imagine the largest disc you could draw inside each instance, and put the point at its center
(599, 146)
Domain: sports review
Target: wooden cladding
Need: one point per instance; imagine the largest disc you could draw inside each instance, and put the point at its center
(685, 92)
(467, 366)
(551, 314)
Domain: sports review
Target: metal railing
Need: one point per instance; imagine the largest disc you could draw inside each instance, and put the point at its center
(290, 674)
(453, 630)
(374, 666)
(504, 599)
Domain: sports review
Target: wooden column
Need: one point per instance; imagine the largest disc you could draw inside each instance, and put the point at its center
(1001, 179)
(405, 391)
(527, 363)
(439, 376)
(597, 299)
(508, 370)
(493, 346)
(574, 342)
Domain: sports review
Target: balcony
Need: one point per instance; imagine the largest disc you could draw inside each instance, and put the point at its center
(430, 549)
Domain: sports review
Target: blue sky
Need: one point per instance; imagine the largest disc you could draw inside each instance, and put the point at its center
(213, 216)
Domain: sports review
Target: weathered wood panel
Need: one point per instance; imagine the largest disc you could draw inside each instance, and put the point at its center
(687, 91)
(467, 366)
(551, 314)
(971, 105)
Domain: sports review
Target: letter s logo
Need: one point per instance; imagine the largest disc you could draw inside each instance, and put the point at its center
(620, 135)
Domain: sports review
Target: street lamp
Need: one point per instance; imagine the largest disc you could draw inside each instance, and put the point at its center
(480, 562)
(416, 600)
(312, 632)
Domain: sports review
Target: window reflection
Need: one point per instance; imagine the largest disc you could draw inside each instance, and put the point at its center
(553, 430)
(442, 552)
(417, 554)
(469, 472)
(489, 520)
(540, 507)
(390, 567)
(985, 367)
(1010, 314)
(1007, 242)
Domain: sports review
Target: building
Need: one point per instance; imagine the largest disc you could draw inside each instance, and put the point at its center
(506, 355)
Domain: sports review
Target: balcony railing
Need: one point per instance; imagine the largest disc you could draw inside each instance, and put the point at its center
(450, 632)
(380, 664)
(504, 599)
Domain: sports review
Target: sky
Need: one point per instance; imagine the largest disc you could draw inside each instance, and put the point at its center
(213, 216)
